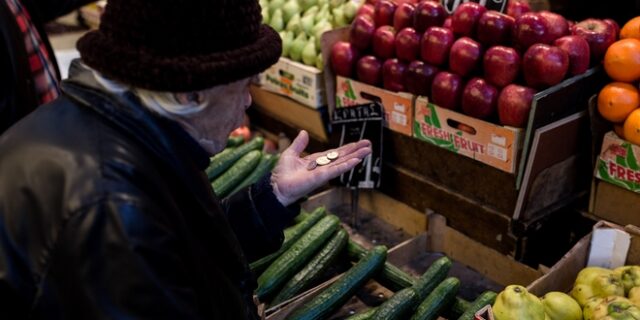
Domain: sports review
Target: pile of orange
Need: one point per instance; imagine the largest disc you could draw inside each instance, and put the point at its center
(619, 101)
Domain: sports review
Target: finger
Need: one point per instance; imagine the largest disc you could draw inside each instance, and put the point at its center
(330, 172)
(299, 144)
(359, 154)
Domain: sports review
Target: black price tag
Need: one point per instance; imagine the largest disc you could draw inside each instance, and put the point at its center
(497, 5)
(356, 123)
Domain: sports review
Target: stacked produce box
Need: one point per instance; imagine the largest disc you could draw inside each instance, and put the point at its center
(615, 196)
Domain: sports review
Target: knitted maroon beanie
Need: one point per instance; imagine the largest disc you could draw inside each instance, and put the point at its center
(178, 46)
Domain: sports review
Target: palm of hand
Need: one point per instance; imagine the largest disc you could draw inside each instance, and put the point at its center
(291, 179)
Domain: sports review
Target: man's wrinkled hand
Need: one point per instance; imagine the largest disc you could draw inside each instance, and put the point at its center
(291, 179)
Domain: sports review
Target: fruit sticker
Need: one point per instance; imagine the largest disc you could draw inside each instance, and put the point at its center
(618, 163)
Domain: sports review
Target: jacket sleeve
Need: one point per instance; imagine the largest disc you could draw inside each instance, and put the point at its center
(258, 218)
(121, 261)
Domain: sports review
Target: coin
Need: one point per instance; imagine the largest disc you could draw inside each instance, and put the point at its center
(333, 155)
(312, 165)
(323, 161)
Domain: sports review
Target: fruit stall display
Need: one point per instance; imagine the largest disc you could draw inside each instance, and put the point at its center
(619, 101)
(483, 63)
(300, 24)
(240, 164)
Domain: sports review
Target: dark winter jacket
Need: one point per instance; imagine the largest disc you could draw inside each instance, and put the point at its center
(105, 213)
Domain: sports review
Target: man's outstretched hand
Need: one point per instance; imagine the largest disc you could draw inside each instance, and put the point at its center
(291, 179)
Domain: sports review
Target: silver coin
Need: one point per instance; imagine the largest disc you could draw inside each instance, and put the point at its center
(333, 155)
(323, 161)
(312, 165)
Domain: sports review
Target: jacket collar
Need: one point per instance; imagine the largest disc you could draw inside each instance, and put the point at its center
(162, 136)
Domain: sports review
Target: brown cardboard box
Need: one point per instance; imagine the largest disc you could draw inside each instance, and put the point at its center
(438, 238)
(297, 81)
(563, 274)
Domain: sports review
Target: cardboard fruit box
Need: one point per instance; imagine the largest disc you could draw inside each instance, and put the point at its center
(479, 267)
(495, 145)
(608, 246)
(297, 81)
(615, 193)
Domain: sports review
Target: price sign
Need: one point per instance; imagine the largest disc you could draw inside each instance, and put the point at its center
(356, 123)
(497, 5)
(485, 313)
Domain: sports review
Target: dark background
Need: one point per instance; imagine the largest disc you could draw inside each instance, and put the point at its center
(619, 10)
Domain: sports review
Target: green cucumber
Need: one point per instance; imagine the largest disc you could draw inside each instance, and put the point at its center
(224, 160)
(292, 260)
(314, 269)
(301, 216)
(291, 235)
(432, 277)
(457, 308)
(232, 177)
(486, 298)
(437, 300)
(391, 276)
(398, 306)
(235, 141)
(339, 292)
(267, 162)
(366, 315)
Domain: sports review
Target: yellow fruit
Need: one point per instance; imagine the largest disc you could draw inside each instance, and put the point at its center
(630, 276)
(596, 282)
(560, 306)
(516, 303)
(634, 296)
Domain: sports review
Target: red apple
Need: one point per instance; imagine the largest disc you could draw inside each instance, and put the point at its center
(465, 18)
(448, 23)
(479, 99)
(556, 24)
(369, 70)
(343, 58)
(446, 90)
(614, 25)
(428, 14)
(419, 77)
(578, 50)
(495, 28)
(501, 65)
(403, 17)
(514, 104)
(393, 71)
(530, 29)
(367, 10)
(517, 8)
(465, 56)
(384, 39)
(407, 44)
(544, 66)
(384, 11)
(599, 35)
(362, 30)
(435, 45)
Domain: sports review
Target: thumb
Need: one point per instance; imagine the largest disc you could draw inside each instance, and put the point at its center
(299, 144)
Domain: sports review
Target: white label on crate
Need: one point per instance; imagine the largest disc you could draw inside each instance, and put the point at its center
(399, 107)
(399, 118)
(499, 140)
(609, 248)
(497, 152)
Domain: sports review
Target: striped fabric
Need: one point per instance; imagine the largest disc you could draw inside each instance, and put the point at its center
(42, 69)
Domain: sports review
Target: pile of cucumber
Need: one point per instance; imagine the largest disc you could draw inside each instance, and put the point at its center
(239, 165)
(317, 240)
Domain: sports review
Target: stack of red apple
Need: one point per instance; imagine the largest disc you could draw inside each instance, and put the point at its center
(481, 62)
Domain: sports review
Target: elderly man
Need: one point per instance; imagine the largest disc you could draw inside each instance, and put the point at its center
(105, 212)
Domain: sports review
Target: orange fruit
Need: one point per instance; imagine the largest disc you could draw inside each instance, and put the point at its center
(631, 29)
(617, 100)
(618, 128)
(622, 60)
(632, 127)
